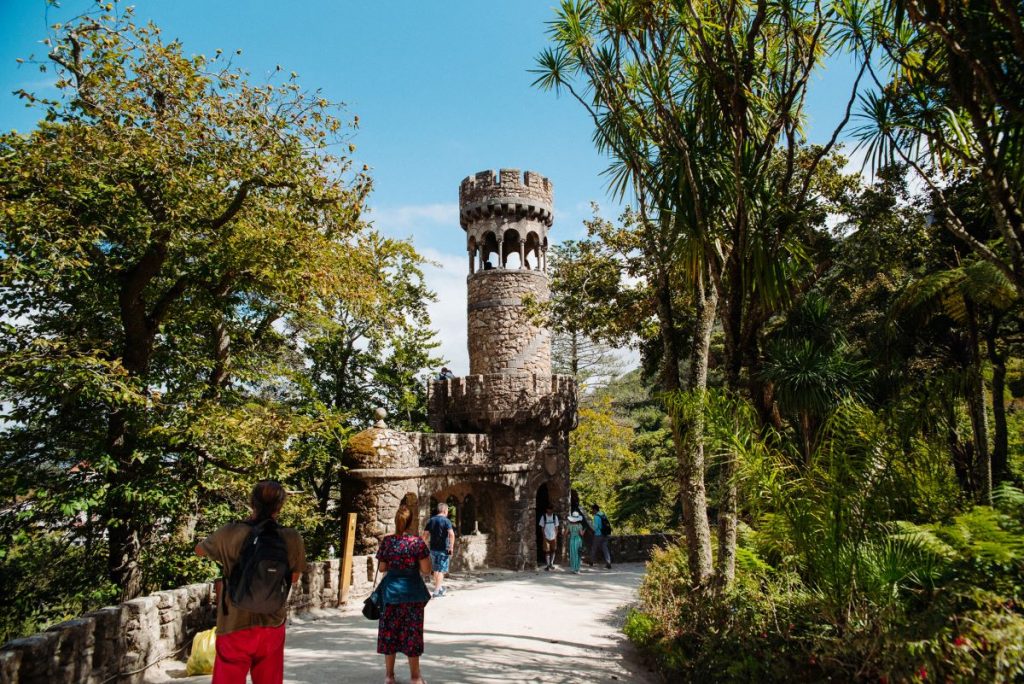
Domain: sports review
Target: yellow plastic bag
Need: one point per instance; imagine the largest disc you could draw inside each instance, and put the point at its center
(204, 652)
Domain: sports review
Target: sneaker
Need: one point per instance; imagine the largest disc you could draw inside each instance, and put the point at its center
(547, 567)
(442, 592)
(608, 566)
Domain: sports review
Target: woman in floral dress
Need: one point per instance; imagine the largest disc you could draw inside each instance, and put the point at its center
(575, 531)
(404, 557)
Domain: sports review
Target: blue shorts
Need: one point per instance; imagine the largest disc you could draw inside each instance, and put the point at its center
(439, 560)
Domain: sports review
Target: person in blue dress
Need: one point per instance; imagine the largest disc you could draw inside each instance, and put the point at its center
(574, 530)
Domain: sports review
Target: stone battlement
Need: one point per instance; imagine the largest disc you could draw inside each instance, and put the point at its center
(508, 193)
(498, 401)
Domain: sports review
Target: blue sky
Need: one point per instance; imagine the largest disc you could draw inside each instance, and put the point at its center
(441, 88)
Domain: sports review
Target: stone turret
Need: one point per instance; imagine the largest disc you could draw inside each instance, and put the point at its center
(506, 219)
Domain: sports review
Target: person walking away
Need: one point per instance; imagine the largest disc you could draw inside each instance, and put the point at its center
(260, 559)
(441, 535)
(602, 530)
(550, 523)
(402, 556)
(574, 531)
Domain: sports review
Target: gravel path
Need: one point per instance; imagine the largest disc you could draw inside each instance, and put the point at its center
(533, 627)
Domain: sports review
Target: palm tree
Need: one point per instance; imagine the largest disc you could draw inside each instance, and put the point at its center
(968, 295)
(700, 106)
(811, 369)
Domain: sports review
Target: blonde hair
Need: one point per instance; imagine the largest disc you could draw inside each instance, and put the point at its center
(403, 520)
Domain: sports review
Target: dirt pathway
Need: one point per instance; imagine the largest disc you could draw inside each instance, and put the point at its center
(536, 627)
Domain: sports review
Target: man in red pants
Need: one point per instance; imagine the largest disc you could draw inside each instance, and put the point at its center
(251, 642)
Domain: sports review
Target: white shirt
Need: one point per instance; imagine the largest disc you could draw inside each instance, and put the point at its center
(550, 525)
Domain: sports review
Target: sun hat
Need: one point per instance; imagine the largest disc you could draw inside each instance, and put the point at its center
(575, 517)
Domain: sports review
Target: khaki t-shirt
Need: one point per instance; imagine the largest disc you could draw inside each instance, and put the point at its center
(224, 546)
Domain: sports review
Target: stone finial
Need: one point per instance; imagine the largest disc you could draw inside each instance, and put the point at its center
(380, 414)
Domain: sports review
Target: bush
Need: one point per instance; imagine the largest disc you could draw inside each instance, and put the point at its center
(963, 622)
(47, 578)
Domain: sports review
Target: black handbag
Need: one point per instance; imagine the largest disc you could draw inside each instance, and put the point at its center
(371, 606)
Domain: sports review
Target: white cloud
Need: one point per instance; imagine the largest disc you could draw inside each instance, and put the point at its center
(447, 277)
(409, 219)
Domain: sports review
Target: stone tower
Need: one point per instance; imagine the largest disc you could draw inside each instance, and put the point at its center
(506, 219)
(498, 450)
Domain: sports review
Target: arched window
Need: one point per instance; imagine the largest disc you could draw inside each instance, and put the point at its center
(491, 259)
(533, 251)
(511, 249)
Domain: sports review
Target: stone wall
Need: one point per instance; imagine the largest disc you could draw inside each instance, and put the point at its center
(635, 548)
(447, 448)
(125, 639)
(503, 337)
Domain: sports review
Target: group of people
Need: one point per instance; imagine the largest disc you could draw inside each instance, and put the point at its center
(261, 560)
(574, 530)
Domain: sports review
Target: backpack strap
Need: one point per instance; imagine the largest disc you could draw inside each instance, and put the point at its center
(225, 585)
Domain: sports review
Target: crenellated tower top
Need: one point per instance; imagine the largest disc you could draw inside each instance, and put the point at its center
(506, 217)
(507, 194)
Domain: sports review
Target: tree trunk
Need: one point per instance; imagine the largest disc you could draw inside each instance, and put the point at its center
(976, 408)
(688, 439)
(1000, 440)
(124, 528)
(127, 523)
(725, 570)
(805, 433)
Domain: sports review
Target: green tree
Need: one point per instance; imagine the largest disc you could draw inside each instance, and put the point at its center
(600, 456)
(700, 106)
(949, 104)
(582, 277)
(154, 227)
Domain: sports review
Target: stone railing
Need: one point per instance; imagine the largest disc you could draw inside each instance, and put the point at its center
(118, 643)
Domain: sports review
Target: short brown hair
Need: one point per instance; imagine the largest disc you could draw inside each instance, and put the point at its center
(403, 520)
(267, 499)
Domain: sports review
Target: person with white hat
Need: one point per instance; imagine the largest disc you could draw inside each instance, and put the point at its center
(574, 530)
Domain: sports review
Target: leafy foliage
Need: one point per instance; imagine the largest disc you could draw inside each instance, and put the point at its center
(181, 249)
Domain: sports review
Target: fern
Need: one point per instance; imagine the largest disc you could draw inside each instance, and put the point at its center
(984, 534)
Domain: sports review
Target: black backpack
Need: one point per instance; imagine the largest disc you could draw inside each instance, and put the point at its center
(606, 525)
(261, 577)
